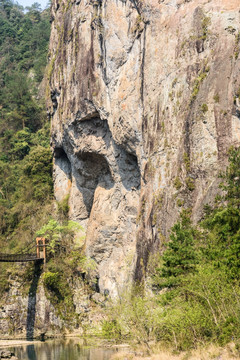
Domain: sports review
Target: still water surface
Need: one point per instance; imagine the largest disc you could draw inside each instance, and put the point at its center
(63, 350)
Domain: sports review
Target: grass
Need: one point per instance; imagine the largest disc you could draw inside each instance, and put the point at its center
(228, 352)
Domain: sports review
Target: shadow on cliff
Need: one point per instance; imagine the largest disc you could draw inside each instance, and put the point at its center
(32, 299)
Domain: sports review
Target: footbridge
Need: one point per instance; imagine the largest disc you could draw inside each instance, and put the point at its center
(25, 255)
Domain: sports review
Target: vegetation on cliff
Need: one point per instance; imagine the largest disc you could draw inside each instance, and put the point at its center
(27, 207)
(25, 160)
(192, 296)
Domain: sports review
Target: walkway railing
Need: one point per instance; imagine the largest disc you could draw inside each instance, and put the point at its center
(18, 257)
(40, 254)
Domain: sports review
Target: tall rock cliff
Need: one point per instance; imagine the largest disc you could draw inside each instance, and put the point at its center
(144, 97)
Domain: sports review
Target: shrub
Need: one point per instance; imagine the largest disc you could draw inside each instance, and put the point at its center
(177, 183)
(190, 184)
(204, 108)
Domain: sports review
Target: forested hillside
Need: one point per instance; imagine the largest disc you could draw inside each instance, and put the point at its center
(25, 156)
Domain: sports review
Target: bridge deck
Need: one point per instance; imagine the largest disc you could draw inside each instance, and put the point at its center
(19, 257)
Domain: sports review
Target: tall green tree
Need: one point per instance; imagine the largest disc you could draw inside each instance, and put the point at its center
(223, 222)
(181, 255)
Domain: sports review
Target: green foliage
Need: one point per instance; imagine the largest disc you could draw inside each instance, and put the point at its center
(231, 177)
(177, 183)
(206, 21)
(37, 172)
(59, 291)
(52, 281)
(198, 81)
(204, 108)
(237, 45)
(63, 208)
(190, 184)
(20, 144)
(195, 291)
(24, 37)
(23, 55)
(223, 222)
(111, 329)
(4, 283)
(65, 261)
(180, 256)
(25, 160)
(201, 311)
(186, 160)
(216, 98)
(59, 235)
(77, 261)
(26, 189)
(25, 184)
(133, 317)
(180, 202)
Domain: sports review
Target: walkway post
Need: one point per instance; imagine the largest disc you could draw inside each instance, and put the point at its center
(41, 243)
(38, 249)
(44, 249)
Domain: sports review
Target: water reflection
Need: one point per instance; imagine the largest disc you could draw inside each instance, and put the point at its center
(71, 349)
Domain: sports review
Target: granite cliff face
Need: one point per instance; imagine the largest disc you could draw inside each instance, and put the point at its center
(144, 100)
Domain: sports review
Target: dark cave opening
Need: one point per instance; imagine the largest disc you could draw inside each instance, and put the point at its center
(93, 170)
(130, 172)
(62, 161)
(59, 153)
(96, 169)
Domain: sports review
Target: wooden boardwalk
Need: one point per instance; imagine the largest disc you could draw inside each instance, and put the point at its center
(19, 257)
(24, 256)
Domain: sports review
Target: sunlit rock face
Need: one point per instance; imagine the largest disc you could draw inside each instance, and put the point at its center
(144, 100)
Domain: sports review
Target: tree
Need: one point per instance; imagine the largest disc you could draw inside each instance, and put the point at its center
(180, 256)
(223, 221)
(60, 236)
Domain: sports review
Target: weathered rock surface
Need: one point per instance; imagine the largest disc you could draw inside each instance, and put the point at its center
(144, 98)
(27, 310)
(29, 315)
